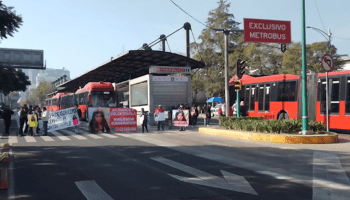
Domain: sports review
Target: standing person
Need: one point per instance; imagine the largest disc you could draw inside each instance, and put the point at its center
(243, 111)
(33, 123)
(22, 120)
(45, 118)
(26, 119)
(194, 115)
(234, 108)
(208, 115)
(79, 115)
(6, 115)
(143, 118)
(223, 109)
(181, 107)
(160, 123)
(36, 112)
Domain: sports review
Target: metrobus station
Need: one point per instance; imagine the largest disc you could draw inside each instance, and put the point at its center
(136, 79)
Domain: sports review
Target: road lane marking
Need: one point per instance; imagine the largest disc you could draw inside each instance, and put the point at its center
(73, 134)
(92, 191)
(47, 138)
(29, 138)
(109, 135)
(13, 139)
(329, 178)
(59, 135)
(230, 181)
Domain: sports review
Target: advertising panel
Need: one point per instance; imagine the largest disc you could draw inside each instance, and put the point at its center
(22, 58)
(267, 31)
(169, 70)
(63, 119)
(180, 118)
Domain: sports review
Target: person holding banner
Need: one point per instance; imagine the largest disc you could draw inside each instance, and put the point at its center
(143, 120)
(33, 123)
(98, 122)
(194, 115)
(45, 117)
(77, 125)
(177, 119)
(160, 123)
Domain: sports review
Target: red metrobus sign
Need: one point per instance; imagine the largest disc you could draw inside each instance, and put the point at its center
(267, 31)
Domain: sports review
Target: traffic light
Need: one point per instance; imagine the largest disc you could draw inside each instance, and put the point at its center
(283, 48)
(238, 85)
(240, 68)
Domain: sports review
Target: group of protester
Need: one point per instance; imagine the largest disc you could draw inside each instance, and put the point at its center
(29, 120)
(194, 113)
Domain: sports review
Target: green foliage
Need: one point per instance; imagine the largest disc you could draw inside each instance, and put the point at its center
(9, 21)
(257, 124)
(12, 80)
(317, 126)
(38, 95)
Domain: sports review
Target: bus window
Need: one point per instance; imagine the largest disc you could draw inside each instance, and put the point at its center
(286, 91)
(246, 95)
(347, 100)
(267, 97)
(261, 97)
(252, 99)
(322, 95)
(335, 96)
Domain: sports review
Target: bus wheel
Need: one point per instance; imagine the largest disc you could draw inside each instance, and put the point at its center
(283, 115)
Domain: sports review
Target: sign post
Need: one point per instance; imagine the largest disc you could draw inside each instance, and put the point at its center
(327, 64)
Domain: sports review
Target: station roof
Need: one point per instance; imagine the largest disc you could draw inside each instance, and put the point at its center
(132, 64)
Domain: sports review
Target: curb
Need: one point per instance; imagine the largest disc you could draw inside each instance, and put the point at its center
(273, 138)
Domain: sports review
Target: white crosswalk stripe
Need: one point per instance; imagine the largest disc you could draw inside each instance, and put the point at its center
(109, 135)
(47, 138)
(73, 134)
(60, 136)
(93, 136)
(29, 138)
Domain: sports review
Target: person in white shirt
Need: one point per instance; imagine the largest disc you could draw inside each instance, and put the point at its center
(234, 108)
(45, 117)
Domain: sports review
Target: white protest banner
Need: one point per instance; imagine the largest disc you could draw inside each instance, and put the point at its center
(159, 117)
(62, 119)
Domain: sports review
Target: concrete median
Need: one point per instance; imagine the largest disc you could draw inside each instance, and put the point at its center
(273, 138)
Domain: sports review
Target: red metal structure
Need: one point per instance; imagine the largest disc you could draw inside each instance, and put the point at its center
(279, 97)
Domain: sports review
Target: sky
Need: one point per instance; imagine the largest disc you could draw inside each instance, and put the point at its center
(80, 35)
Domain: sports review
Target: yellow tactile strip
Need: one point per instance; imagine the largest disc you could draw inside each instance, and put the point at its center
(273, 138)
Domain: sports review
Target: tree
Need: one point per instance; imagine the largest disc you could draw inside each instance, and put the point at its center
(12, 80)
(38, 95)
(211, 49)
(9, 21)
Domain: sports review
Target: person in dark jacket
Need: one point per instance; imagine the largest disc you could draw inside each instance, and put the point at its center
(208, 115)
(144, 121)
(194, 115)
(6, 115)
(79, 115)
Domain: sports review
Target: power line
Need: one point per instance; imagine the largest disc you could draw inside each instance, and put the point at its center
(341, 38)
(320, 17)
(188, 14)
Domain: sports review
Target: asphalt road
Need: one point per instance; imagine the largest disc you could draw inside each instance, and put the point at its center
(171, 165)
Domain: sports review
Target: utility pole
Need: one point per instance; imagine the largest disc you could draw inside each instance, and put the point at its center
(304, 78)
(227, 96)
(328, 38)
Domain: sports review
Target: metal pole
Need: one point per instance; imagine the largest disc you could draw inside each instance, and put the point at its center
(327, 102)
(227, 95)
(304, 78)
(238, 104)
(187, 27)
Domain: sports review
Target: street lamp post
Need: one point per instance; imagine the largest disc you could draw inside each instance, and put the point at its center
(329, 35)
(227, 96)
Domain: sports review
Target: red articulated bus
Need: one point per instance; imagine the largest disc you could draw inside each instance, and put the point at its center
(94, 94)
(280, 97)
(53, 102)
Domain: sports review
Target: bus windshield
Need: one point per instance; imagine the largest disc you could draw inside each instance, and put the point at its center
(102, 99)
